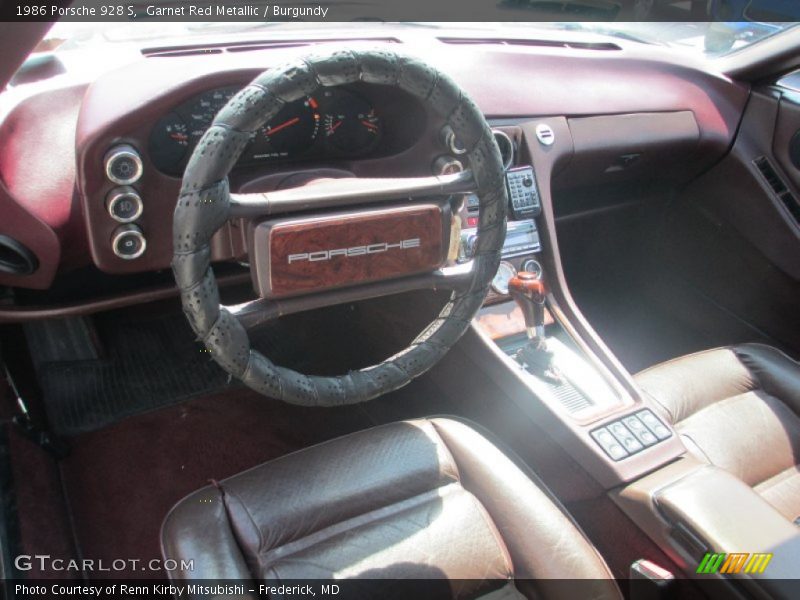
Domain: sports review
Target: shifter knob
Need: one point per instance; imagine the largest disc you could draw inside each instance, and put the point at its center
(527, 284)
(529, 292)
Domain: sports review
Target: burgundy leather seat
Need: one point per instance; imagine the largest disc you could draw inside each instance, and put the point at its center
(423, 499)
(737, 408)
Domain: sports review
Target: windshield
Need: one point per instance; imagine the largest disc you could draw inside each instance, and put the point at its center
(702, 38)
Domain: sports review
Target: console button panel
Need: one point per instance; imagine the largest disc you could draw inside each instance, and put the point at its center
(631, 434)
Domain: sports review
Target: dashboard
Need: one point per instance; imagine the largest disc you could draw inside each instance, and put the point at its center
(56, 138)
(335, 124)
(142, 148)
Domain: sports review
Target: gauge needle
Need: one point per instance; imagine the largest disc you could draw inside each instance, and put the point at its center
(369, 125)
(335, 126)
(283, 125)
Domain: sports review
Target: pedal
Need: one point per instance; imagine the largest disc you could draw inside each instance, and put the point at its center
(29, 429)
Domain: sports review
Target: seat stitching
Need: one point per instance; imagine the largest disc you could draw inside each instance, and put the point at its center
(369, 517)
(501, 543)
(729, 399)
(696, 445)
(770, 349)
(755, 377)
(537, 481)
(678, 359)
(225, 494)
(446, 448)
(781, 477)
(507, 559)
(759, 393)
(674, 421)
(662, 405)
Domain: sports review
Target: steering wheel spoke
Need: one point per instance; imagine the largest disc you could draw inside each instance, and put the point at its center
(341, 193)
(255, 313)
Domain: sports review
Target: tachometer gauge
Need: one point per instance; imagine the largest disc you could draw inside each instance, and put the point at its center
(351, 125)
(292, 130)
(169, 141)
(504, 274)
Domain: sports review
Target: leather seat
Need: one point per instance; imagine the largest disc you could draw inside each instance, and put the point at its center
(737, 408)
(423, 499)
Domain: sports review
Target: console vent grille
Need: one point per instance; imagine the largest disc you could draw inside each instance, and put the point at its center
(531, 42)
(200, 49)
(781, 190)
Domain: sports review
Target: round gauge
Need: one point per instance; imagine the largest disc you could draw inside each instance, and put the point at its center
(293, 129)
(201, 111)
(169, 142)
(351, 125)
(532, 266)
(504, 274)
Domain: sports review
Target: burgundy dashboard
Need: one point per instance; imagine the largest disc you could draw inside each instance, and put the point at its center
(91, 172)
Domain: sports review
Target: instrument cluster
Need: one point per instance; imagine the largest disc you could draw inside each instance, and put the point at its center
(336, 123)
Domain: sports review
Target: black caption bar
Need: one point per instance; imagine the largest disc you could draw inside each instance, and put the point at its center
(398, 10)
(350, 589)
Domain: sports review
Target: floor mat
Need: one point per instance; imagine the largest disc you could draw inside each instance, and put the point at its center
(122, 480)
(150, 363)
(130, 362)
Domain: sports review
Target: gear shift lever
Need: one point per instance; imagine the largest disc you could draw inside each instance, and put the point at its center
(529, 292)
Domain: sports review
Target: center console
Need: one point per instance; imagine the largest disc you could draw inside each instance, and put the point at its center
(535, 344)
(710, 522)
(560, 372)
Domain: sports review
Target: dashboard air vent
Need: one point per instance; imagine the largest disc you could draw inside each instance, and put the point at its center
(781, 190)
(466, 41)
(506, 146)
(200, 49)
(15, 258)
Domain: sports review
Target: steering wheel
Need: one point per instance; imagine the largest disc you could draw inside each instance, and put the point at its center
(403, 209)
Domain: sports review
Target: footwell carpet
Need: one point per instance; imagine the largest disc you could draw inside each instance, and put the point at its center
(149, 364)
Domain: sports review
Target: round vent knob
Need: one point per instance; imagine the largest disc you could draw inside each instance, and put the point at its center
(506, 147)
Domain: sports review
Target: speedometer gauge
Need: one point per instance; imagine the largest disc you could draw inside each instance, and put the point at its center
(201, 112)
(505, 273)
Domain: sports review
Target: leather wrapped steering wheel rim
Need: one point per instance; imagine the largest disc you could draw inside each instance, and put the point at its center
(204, 205)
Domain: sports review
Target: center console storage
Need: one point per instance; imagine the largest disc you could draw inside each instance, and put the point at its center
(711, 522)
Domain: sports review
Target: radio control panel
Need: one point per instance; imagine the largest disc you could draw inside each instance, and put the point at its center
(521, 245)
(522, 238)
(522, 242)
(522, 193)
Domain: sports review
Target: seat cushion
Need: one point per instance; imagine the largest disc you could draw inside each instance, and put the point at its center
(737, 408)
(422, 499)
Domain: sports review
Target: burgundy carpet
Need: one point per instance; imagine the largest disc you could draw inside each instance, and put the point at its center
(122, 480)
